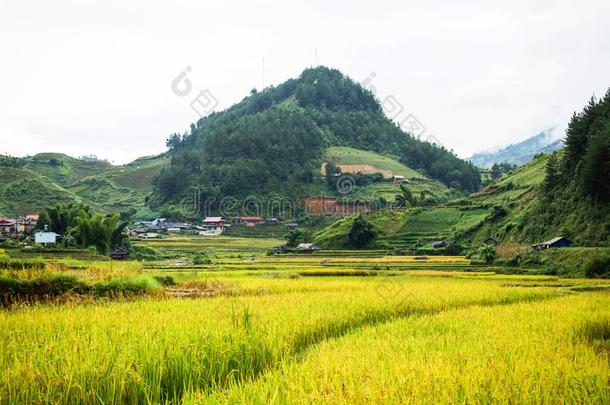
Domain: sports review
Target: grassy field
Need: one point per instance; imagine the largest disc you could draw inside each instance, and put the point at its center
(355, 328)
(350, 159)
(342, 155)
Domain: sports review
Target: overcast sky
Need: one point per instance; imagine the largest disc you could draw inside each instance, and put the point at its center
(95, 77)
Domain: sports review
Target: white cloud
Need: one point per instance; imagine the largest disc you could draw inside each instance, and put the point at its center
(88, 77)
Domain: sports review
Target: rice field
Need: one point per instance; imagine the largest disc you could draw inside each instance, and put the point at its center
(289, 329)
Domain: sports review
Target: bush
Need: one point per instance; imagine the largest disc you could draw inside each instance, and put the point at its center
(507, 261)
(14, 290)
(165, 281)
(485, 253)
(145, 253)
(598, 266)
(125, 286)
(201, 258)
(454, 249)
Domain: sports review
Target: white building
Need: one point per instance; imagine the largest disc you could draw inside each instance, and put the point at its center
(45, 237)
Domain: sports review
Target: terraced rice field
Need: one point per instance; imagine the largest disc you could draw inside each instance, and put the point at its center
(292, 330)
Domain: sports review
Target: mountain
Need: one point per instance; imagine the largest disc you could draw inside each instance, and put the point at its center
(520, 153)
(33, 183)
(274, 142)
(564, 193)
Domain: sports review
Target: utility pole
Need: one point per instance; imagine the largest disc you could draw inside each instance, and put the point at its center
(263, 73)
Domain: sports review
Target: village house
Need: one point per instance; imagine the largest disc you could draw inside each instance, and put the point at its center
(45, 237)
(307, 248)
(159, 225)
(558, 242)
(248, 221)
(437, 244)
(399, 179)
(119, 254)
(143, 227)
(7, 226)
(27, 224)
(213, 226)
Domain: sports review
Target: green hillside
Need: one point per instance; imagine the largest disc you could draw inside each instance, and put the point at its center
(566, 193)
(497, 211)
(353, 161)
(63, 169)
(30, 184)
(23, 191)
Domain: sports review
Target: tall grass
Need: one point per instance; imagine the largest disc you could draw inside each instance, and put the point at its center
(525, 353)
(157, 351)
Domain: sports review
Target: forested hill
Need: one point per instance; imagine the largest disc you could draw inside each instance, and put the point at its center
(273, 142)
(565, 193)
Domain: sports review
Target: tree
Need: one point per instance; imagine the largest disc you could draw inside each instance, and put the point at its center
(97, 231)
(297, 236)
(173, 141)
(362, 232)
(331, 170)
(79, 227)
(553, 173)
(495, 172)
(595, 171)
(62, 217)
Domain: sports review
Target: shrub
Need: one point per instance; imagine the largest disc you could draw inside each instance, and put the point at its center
(598, 266)
(362, 232)
(145, 253)
(125, 286)
(165, 281)
(15, 290)
(454, 249)
(486, 253)
(201, 258)
(530, 259)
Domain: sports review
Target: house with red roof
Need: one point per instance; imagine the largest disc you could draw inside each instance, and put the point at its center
(213, 226)
(248, 221)
(7, 226)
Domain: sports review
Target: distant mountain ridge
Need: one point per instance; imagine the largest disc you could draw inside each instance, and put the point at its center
(519, 153)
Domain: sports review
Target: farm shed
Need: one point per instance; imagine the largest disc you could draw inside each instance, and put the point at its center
(119, 254)
(558, 242)
(438, 244)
